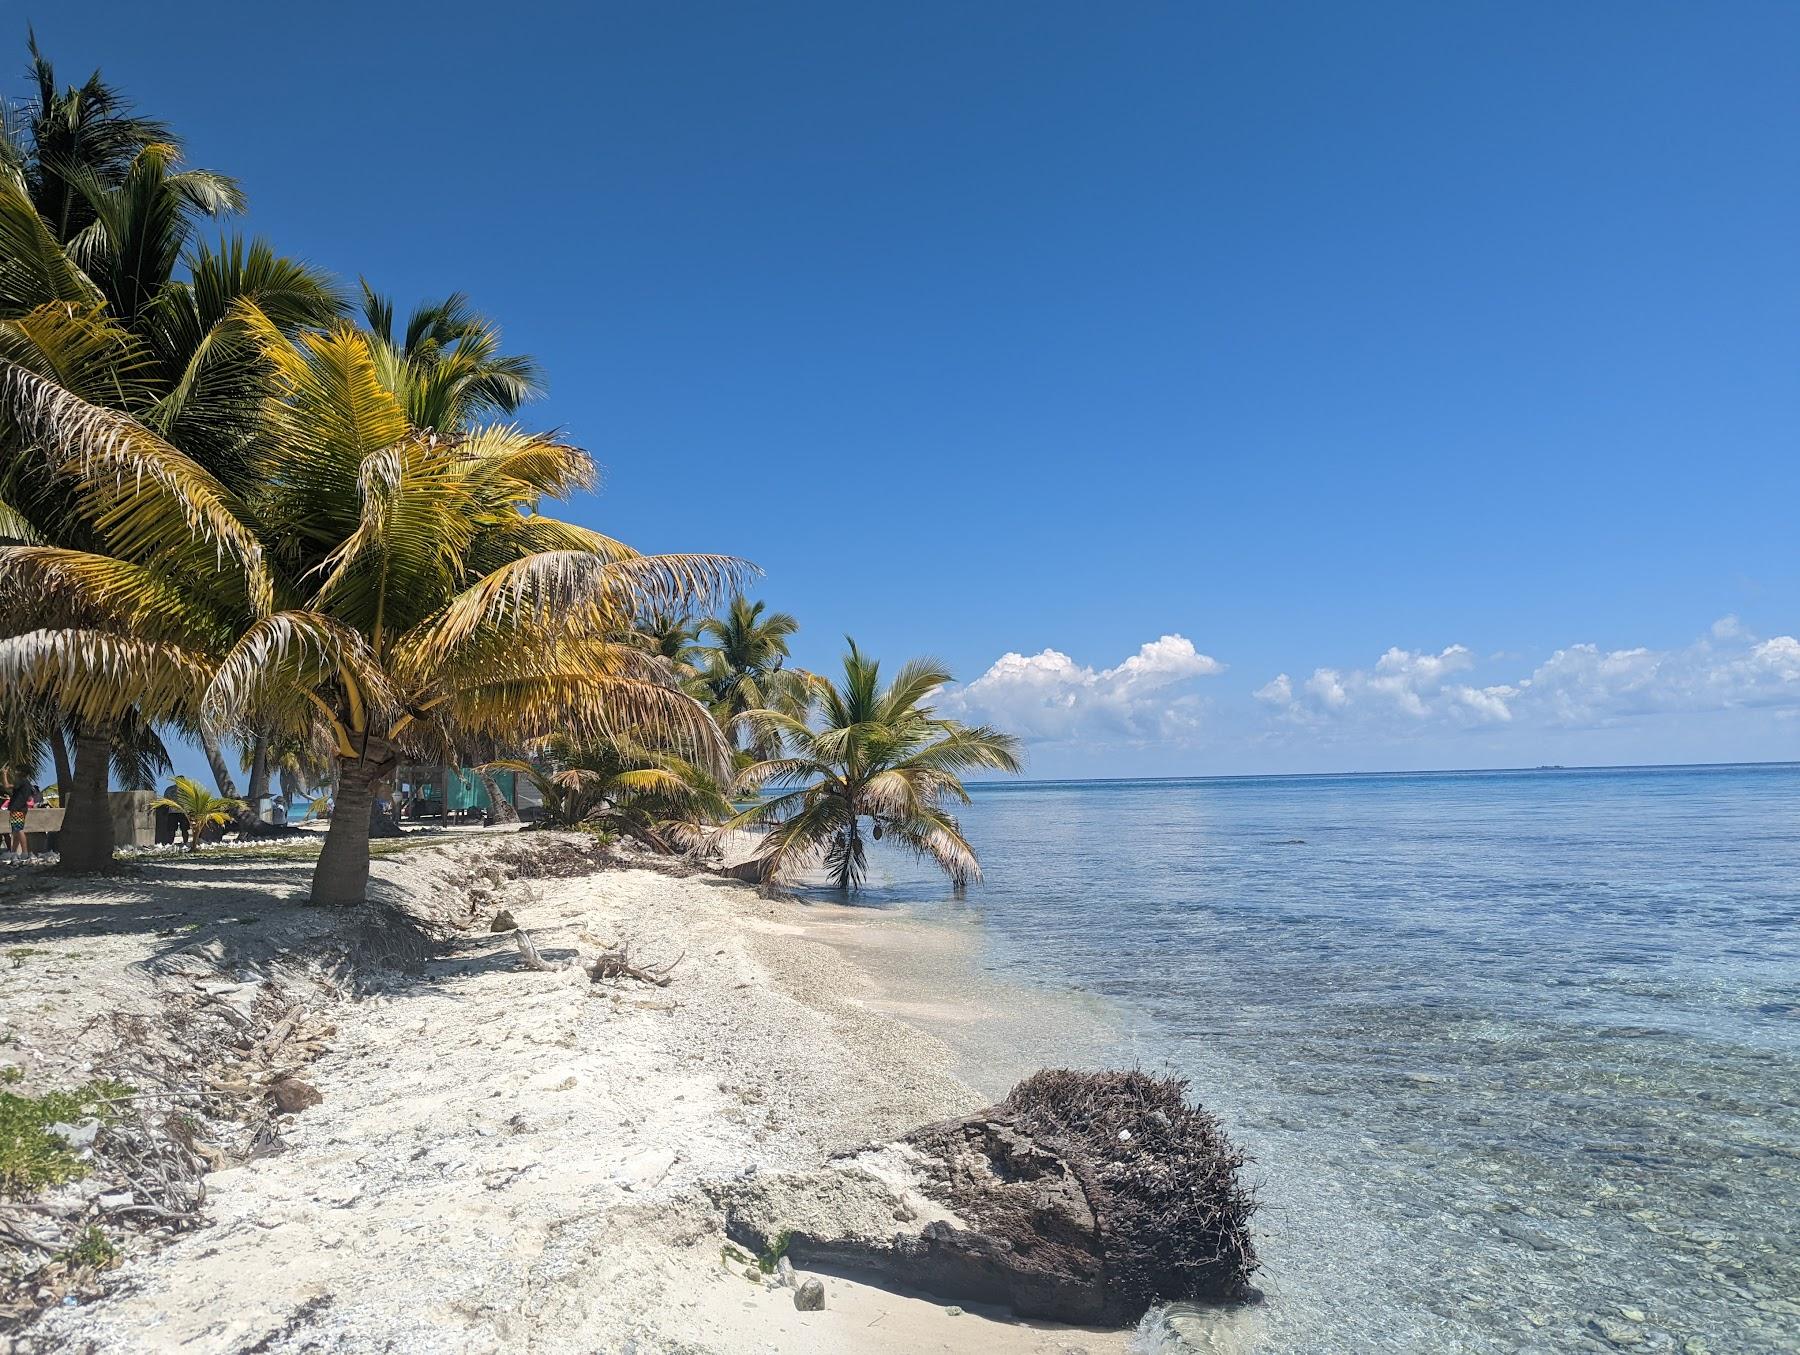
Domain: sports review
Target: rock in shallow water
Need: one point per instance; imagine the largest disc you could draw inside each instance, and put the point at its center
(1083, 1197)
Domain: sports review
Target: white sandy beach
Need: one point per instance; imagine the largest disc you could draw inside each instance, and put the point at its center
(503, 1160)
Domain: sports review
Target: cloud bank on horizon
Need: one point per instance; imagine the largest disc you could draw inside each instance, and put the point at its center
(1452, 701)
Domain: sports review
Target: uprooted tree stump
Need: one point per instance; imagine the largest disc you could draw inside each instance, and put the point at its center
(1082, 1197)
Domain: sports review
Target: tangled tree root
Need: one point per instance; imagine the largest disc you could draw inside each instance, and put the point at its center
(1082, 1197)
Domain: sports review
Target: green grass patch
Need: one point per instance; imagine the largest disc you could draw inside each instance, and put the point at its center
(19, 954)
(92, 1248)
(31, 1157)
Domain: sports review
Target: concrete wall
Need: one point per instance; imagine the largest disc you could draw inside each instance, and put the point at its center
(134, 822)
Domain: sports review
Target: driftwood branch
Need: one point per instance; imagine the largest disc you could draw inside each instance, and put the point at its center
(610, 965)
(617, 964)
(528, 952)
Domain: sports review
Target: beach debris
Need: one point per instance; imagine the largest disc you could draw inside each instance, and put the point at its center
(503, 922)
(79, 1136)
(613, 963)
(383, 937)
(291, 1095)
(616, 963)
(528, 953)
(562, 856)
(810, 1296)
(1083, 1197)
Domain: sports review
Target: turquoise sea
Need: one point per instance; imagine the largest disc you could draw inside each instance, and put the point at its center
(1517, 1053)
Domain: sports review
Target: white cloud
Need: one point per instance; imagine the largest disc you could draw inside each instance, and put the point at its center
(1581, 686)
(1404, 683)
(1049, 697)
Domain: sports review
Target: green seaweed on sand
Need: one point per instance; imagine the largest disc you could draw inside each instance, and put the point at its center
(771, 1255)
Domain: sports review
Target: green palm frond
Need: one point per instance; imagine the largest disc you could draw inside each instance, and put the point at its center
(87, 130)
(35, 269)
(202, 808)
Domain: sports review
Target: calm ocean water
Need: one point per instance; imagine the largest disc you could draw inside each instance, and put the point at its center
(1517, 1053)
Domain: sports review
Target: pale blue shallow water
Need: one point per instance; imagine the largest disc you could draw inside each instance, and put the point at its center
(1517, 1053)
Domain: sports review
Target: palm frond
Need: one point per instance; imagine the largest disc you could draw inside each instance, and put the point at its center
(146, 498)
(97, 676)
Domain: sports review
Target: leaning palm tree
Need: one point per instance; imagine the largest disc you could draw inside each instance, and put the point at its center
(200, 806)
(865, 751)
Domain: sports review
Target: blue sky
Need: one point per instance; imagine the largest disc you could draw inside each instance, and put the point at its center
(1302, 332)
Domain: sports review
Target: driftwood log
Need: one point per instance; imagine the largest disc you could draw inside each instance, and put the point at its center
(1083, 1197)
(613, 963)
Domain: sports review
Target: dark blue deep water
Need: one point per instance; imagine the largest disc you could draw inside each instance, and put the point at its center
(1517, 1053)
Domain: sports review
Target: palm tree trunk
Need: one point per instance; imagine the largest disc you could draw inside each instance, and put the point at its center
(59, 754)
(215, 758)
(259, 771)
(501, 807)
(86, 840)
(342, 875)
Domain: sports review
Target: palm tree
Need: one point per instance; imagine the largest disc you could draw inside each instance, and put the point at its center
(113, 624)
(95, 218)
(65, 140)
(744, 670)
(447, 363)
(619, 783)
(390, 591)
(673, 638)
(423, 603)
(864, 751)
(202, 808)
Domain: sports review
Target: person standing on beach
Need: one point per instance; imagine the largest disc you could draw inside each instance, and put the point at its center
(21, 799)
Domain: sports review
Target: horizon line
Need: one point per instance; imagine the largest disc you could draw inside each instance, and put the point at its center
(1413, 771)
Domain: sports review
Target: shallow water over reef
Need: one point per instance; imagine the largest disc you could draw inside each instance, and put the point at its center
(1517, 1054)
